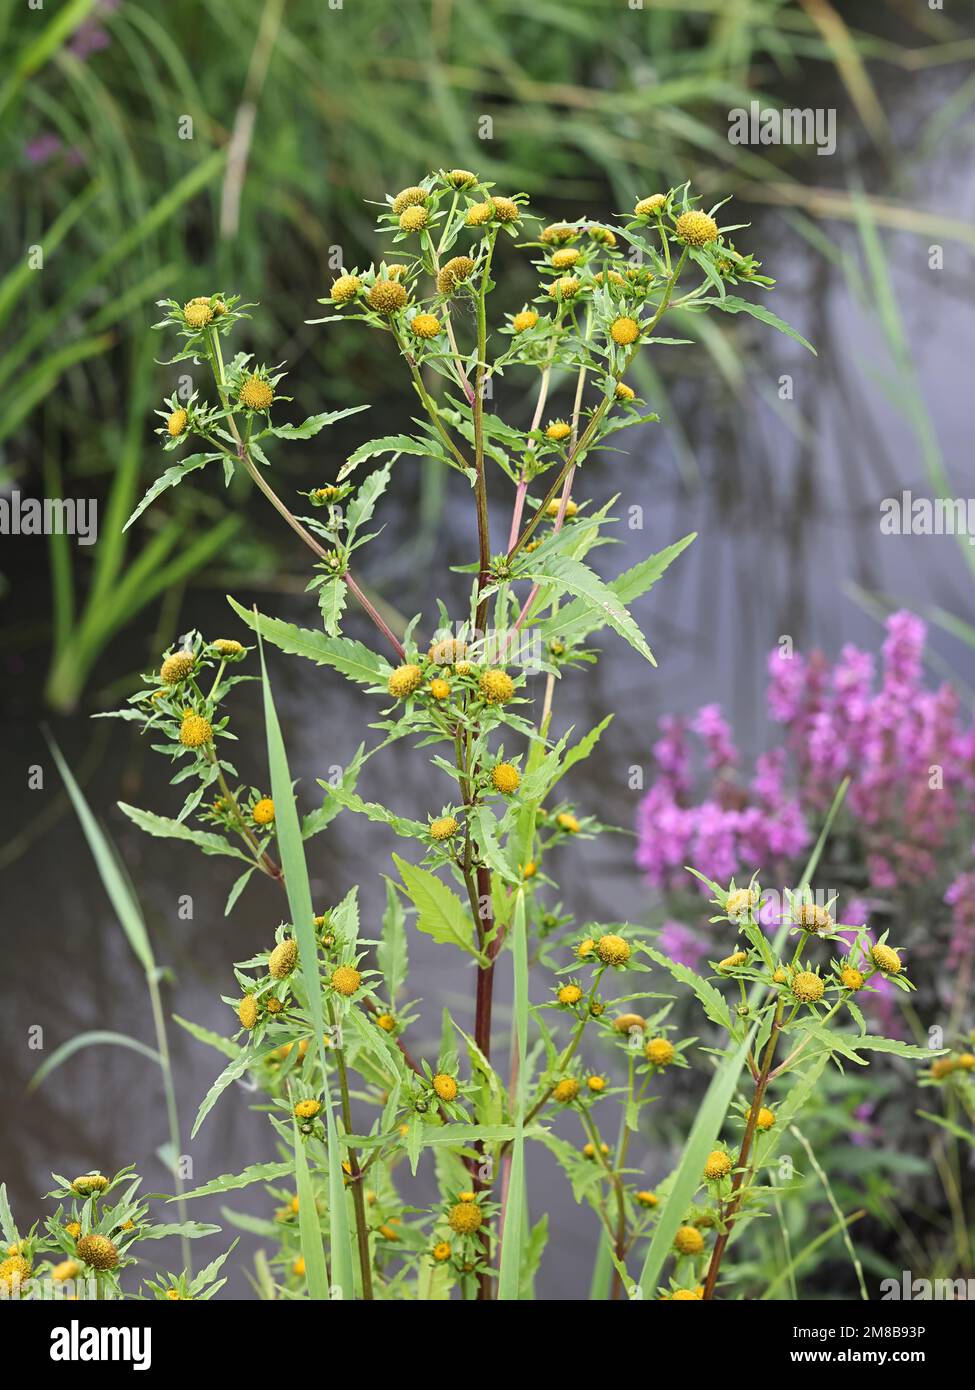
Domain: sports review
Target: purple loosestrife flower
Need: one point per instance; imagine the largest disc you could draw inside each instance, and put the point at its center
(681, 944)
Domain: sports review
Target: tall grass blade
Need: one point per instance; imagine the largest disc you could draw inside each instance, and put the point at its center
(291, 846)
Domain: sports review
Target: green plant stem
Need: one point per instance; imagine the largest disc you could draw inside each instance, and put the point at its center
(741, 1167)
(172, 1112)
(355, 1176)
(262, 860)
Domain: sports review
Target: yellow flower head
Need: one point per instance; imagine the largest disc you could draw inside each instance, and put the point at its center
(625, 1023)
(850, 978)
(807, 987)
(228, 648)
(177, 667)
(67, 1269)
(525, 320)
(647, 206)
(453, 273)
(613, 950)
(97, 1251)
(603, 235)
(687, 1296)
(461, 178)
(566, 1090)
(346, 980)
(405, 680)
(465, 1218)
(441, 1251)
(73, 1229)
(624, 330)
(647, 1199)
(247, 1011)
(613, 277)
(696, 228)
(766, 1118)
(558, 233)
(596, 1084)
(298, 1268)
(886, 959)
(413, 219)
(346, 287)
(569, 994)
(565, 258)
(506, 209)
(177, 422)
(256, 393)
(505, 778)
(386, 1022)
(263, 811)
(567, 822)
(439, 689)
(566, 287)
(813, 918)
(966, 1061)
(716, 1165)
(589, 1150)
(496, 686)
(479, 214)
(283, 959)
(425, 326)
(443, 828)
(571, 509)
(741, 903)
(386, 296)
(624, 392)
(733, 961)
(89, 1183)
(274, 1005)
(447, 650)
(307, 1109)
(780, 976)
(14, 1272)
(530, 869)
(942, 1067)
(586, 948)
(660, 1051)
(197, 313)
(409, 198)
(195, 731)
(558, 430)
(445, 1086)
(688, 1241)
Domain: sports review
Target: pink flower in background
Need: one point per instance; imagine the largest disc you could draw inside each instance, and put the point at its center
(681, 944)
(908, 751)
(42, 149)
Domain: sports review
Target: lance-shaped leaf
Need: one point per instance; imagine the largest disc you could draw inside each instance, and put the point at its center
(352, 659)
(440, 913)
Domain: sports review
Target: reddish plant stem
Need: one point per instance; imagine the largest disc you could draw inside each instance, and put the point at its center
(742, 1170)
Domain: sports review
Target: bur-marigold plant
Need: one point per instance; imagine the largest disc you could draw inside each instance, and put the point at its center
(321, 1019)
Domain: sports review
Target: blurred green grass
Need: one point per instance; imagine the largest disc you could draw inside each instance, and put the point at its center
(299, 112)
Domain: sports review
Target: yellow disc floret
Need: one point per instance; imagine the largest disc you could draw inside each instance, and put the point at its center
(688, 1241)
(414, 196)
(177, 422)
(465, 1218)
(425, 326)
(441, 1251)
(177, 667)
(445, 1086)
(440, 689)
(566, 1090)
(67, 1269)
(505, 778)
(741, 903)
(97, 1251)
(886, 959)
(807, 987)
(247, 1011)
(613, 950)
(496, 686)
(283, 959)
(346, 287)
(696, 228)
(813, 918)
(567, 822)
(197, 313)
(386, 296)
(624, 330)
(569, 994)
(263, 811)
(256, 393)
(444, 827)
(405, 680)
(346, 980)
(717, 1165)
(660, 1051)
(89, 1183)
(195, 731)
(647, 206)
(851, 978)
(413, 219)
(525, 320)
(307, 1109)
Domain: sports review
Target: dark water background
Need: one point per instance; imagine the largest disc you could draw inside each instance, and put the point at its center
(787, 514)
